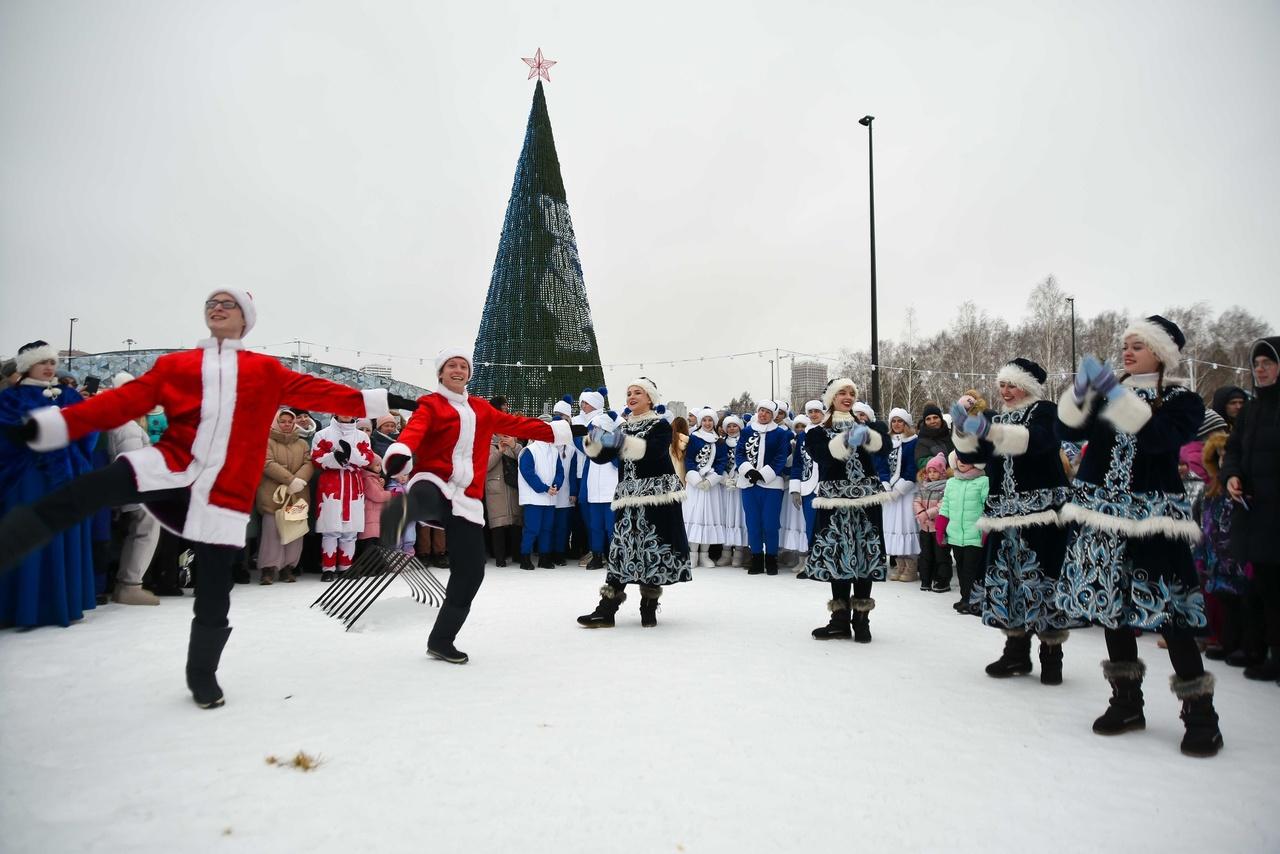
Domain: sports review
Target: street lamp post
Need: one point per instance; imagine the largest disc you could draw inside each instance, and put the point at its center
(866, 121)
(771, 394)
(71, 337)
(129, 342)
(1072, 300)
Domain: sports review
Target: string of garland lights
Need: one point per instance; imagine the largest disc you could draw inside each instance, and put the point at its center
(297, 343)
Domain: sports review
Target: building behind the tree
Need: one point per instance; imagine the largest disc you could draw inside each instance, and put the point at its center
(536, 313)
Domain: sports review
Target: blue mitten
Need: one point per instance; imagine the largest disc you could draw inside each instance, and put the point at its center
(1089, 366)
(977, 425)
(1104, 380)
(856, 436)
(958, 416)
(606, 438)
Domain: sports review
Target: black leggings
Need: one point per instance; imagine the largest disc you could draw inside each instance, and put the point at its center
(1122, 645)
(114, 486)
(861, 589)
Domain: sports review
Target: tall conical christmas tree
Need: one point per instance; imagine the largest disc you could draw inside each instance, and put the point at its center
(536, 312)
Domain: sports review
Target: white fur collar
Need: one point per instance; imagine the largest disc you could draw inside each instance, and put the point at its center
(838, 417)
(227, 344)
(452, 396)
(649, 415)
(706, 435)
(1029, 400)
(763, 428)
(41, 383)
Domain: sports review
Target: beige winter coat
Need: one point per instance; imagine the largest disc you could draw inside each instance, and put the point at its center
(287, 457)
(501, 501)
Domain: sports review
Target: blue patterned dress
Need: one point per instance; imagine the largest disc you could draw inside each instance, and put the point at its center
(649, 545)
(1128, 561)
(848, 541)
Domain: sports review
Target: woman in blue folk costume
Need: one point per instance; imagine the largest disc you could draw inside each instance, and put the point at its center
(649, 545)
(1025, 541)
(735, 520)
(798, 534)
(1128, 563)
(762, 462)
(848, 541)
(705, 459)
(53, 585)
(596, 487)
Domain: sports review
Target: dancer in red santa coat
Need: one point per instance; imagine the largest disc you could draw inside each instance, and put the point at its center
(200, 479)
(447, 441)
(341, 451)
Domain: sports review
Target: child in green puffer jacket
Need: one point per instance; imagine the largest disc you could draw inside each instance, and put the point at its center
(957, 525)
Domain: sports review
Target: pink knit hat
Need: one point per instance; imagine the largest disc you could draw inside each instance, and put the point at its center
(938, 463)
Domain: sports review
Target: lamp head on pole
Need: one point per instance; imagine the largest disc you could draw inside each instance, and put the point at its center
(866, 121)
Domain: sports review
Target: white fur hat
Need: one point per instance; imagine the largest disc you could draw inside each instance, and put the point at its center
(899, 412)
(1024, 374)
(731, 419)
(865, 409)
(244, 299)
(593, 397)
(833, 386)
(707, 412)
(814, 404)
(650, 388)
(33, 354)
(121, 378)
(771, 405)
(448, 353)
(563, 407)
(1163, 337)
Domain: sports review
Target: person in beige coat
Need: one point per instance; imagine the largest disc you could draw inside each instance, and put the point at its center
(501, 500)
(288, 464)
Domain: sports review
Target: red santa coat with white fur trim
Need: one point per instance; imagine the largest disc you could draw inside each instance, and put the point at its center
(448, 438)
(220, 402)
(340, 486)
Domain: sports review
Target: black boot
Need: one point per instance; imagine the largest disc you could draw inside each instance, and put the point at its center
(440, 641)
(526, 561)
(649, 596)
(757, 564)
(1125, 711)
(545, 562)
(860, 619)
(558, 559)
(838, 627)
(1203, 738)
(611, 600)
(423, 503)
(597, 561)
(771, 564)
(1016, 658)
(1266, 671)
(498, 541)
(1051, 656)
(1244, 657)
(22, 532)
(204, 650)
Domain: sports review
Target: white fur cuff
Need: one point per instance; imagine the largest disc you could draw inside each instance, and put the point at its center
(1010, 440)
(632, 448)
(1072, 414)
(375, 402)
(874, 441)
(53, 429)
(397, 449)
(1128, 412)
(838, 448)
(966, 443)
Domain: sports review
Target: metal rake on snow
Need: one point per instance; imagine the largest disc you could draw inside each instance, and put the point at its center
(351, 594)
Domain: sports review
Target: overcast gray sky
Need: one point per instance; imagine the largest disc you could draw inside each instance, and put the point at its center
(350, 164)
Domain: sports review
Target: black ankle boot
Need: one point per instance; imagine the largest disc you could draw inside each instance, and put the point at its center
(1016, 658)
(204, 651)
(1051, 656)
(1125, 710)
(546, 562)
(558, 559)
(771, 564)
(860, 619)
(649, 605)
(597, 561)
(526, 561)
(838, 627)
(424, 502)
(611, 600)
(1266, 671)
(1203, 738)
(757, 564)
(444, 632)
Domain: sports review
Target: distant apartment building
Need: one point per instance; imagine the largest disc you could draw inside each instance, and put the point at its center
(808, 379)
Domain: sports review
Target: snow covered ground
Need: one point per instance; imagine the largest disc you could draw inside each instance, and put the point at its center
(724, 729)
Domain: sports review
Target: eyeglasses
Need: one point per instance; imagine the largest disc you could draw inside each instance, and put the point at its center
(228, 304)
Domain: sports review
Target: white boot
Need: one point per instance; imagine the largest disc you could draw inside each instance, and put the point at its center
(704, 554)
(740, 555)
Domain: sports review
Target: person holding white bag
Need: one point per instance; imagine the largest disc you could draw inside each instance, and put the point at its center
(288, 465)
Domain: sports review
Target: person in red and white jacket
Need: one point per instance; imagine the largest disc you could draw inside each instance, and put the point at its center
(200, 479)
(447, 442)
(341, 451)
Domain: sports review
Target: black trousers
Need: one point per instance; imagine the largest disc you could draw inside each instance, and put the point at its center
(935, 560)
(1266, 596)
(860, 589)
(114, 486)
(1184, 655)
(969, 567)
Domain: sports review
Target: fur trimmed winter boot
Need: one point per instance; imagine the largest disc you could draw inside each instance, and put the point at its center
(771, 564)
(895, 569)
(1125, 710)
(1016, 658)
(204, 651)
(611, 600)
(649, 596)
(860, 619)
(133, 594)
(907, 569)
(596, 561)
(839, 626)
(1051, 642)
(444, 632)
(757, 564)
(741, 554)
(1203, 738)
